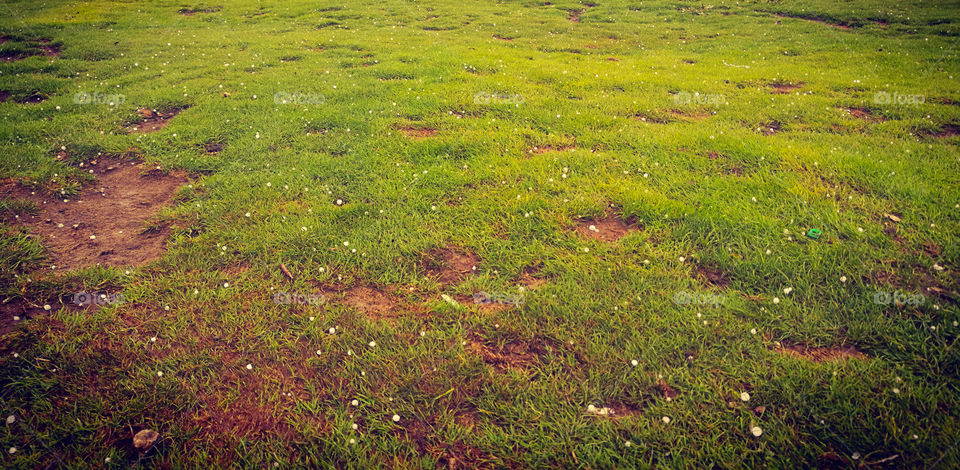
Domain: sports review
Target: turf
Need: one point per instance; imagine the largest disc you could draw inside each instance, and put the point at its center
(421, 178)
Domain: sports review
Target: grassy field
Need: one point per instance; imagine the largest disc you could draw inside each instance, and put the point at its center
(426, 234)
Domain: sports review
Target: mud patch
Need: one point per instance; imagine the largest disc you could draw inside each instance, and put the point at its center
(502, 38)
(105, 222)
(843, 26)
(152, 121)
(948, 130)
(417, 133)
(713, 276)
(784, 88)
(864, 114)
(770, 128)
(373, 302)
(689, 115)
(550, 148)
(815, 354)
(643, 117)
(513, 355)
(609, 229)
(449, 265)
(212, 148)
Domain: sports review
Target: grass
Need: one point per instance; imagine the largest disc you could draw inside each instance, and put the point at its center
(720, 134)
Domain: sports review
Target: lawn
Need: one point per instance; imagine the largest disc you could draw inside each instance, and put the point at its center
(522, 234)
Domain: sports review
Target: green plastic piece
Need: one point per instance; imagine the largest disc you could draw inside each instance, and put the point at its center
(814, 233)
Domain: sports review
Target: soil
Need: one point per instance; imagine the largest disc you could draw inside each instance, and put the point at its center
(822, 354)
(114, 209)
(450, 265)
(608, 229)
(418, 133)
(152, 121)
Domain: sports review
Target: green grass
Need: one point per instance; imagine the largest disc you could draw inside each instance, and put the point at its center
(81, 380)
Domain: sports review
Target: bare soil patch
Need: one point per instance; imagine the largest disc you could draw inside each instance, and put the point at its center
(782, 88)
(508, 356)
(816, 354)
(643, 117)
(689, 115)
(152, 121)
(865, 114)
(770, 128)
(105, 223)
(550, 148)
(502, 38)
(948, 130)
(449, 265)
(417, 133)
(372, 301)
(609, 229)
(713, 276)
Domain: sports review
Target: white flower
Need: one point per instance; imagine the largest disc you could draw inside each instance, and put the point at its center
(372, 344)
(627, 444)
(354, 426)
(353, 441)
(226, 284)
(776, 300)
(332, 330)
(247, 214)
(355, 403)
(346, 243)
(756, 431)
(396, 418)
(744, 396)
(159, 373)
(843, 278)
(666, 420)
(634, 363)
(249, 366)
(593, 228)
(11, 419)
(93, 237)
(13, 450)
(896, 390)
(681, 259)
(937, 267)
(318, 352)
(753, 331)
(787, 290)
